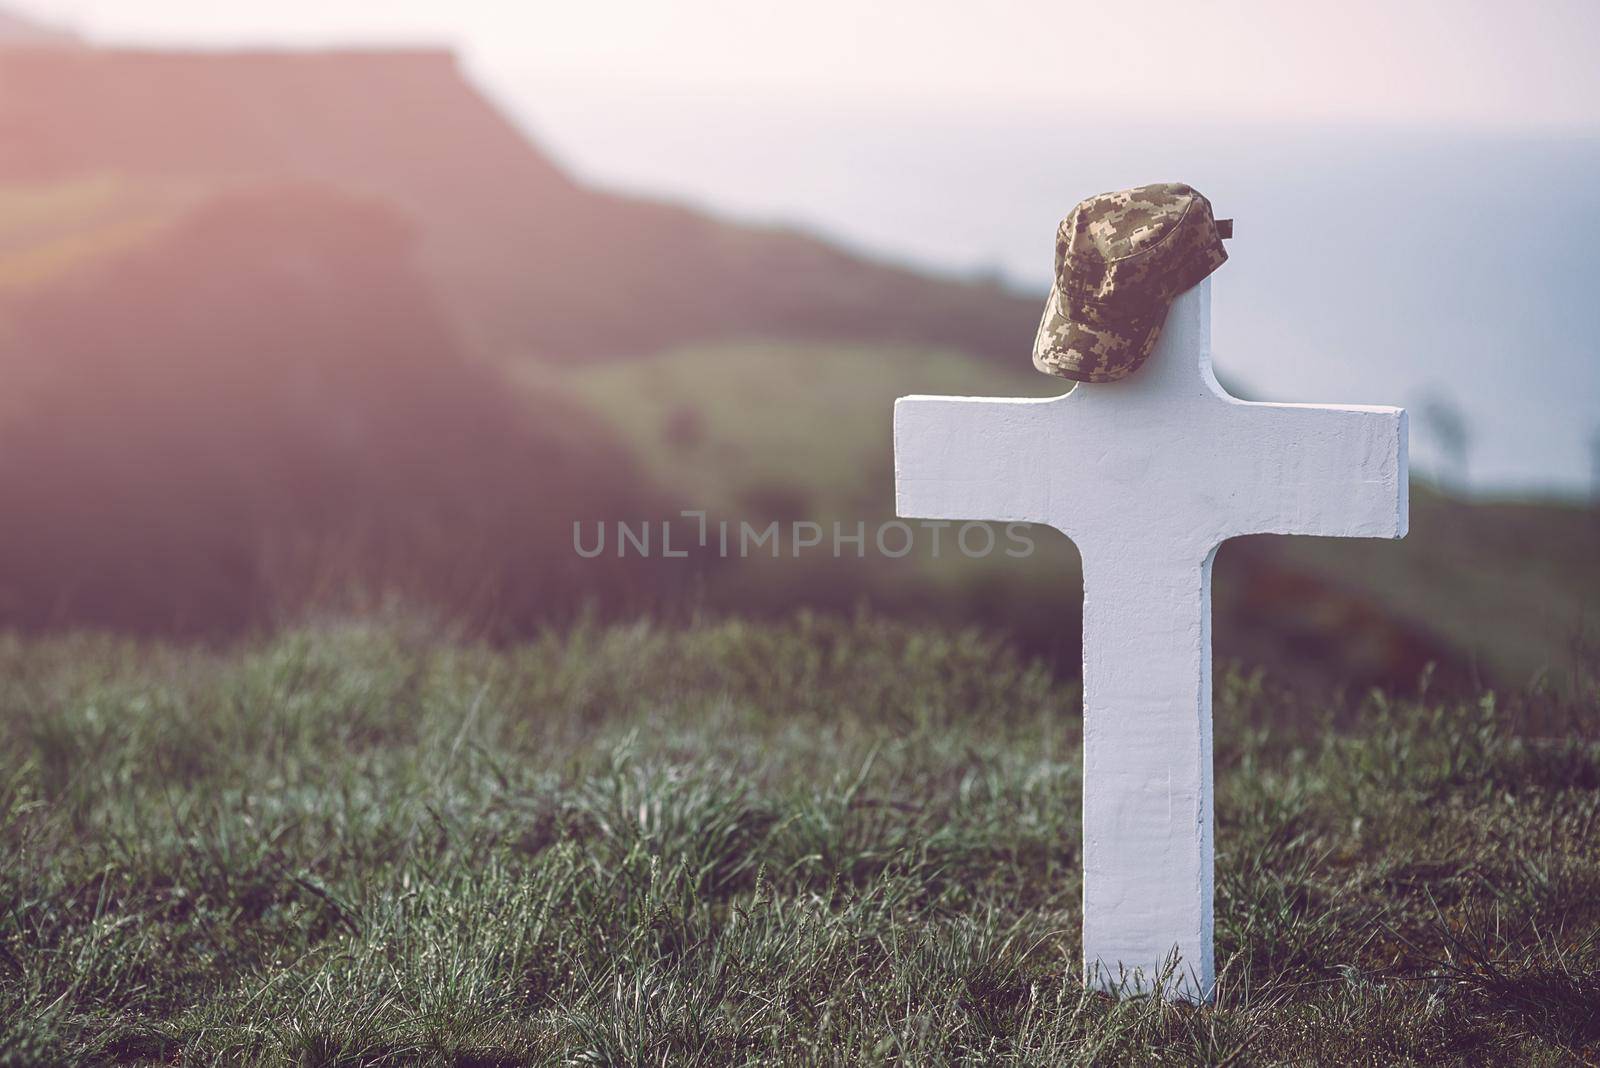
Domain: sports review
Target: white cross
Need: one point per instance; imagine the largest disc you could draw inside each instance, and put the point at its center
(1148, 476)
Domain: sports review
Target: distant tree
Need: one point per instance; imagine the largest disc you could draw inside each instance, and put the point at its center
(1444, 421)
(1594, 462)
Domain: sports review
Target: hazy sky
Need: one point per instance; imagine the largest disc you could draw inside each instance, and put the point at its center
(1457, 61)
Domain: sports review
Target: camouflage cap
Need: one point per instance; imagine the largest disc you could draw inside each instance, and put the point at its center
(1121, 258)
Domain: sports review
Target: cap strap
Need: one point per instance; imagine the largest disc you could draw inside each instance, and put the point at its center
(1225, 228)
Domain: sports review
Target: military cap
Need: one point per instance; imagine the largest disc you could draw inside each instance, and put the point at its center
(1121, 258)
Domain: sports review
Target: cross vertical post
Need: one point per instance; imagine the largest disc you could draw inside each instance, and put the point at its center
(1148, 476)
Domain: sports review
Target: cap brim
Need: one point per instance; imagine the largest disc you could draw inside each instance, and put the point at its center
(1094, 344)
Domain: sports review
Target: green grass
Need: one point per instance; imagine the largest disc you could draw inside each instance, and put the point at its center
(821, 841)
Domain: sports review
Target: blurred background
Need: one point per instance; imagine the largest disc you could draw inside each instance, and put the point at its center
(335, 307)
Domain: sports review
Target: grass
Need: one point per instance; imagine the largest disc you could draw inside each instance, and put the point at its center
(817, 841)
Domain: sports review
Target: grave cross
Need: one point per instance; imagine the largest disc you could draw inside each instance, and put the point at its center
(1147, 476)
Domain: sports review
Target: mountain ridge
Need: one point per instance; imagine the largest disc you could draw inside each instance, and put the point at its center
(18, 31)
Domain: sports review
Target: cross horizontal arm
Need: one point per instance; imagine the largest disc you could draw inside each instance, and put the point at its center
(972, 458)
(1333, 471)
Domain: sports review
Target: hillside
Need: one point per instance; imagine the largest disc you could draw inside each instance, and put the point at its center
(1494, 593)
(530, 263)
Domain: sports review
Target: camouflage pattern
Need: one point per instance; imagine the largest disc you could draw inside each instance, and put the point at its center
(1121, 258)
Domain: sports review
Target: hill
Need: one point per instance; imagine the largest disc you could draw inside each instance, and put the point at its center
(530, 263)
(259, 406)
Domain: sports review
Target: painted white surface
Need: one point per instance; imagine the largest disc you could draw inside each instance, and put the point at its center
(1148, 476)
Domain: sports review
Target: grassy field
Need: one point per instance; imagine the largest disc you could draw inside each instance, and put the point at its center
(820, 841)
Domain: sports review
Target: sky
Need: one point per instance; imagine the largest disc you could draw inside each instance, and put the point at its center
(1468, 62)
